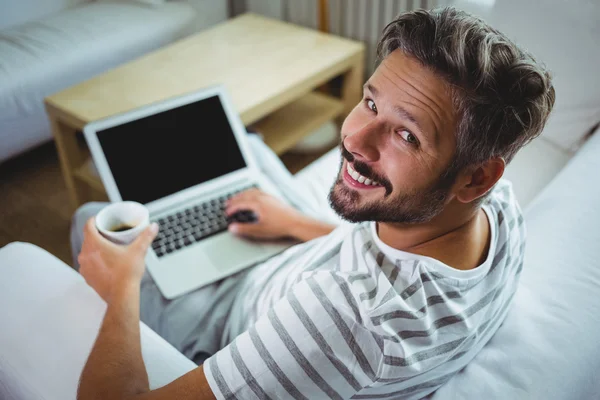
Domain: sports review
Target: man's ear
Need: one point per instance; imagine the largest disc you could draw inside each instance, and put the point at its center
(476, 181)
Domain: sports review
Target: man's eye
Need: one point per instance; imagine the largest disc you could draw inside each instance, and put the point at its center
(409, 137)
(371, 105)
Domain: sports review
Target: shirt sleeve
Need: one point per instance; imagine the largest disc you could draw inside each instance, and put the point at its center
(308, 346)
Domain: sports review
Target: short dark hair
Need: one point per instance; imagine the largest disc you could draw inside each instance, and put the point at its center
(502, 96)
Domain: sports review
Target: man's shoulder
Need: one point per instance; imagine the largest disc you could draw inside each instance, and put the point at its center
(503, 191)
(509, 226)
(351, 291)
(503, 202)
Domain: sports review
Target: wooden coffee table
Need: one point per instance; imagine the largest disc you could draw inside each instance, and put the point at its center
(270, 68)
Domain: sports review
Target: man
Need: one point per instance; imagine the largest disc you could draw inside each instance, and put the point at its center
(389, 307)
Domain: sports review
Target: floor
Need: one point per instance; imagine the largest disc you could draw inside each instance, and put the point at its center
(34, 204)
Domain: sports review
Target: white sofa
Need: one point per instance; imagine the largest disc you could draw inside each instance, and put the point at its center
(49, 45)
(546, 349)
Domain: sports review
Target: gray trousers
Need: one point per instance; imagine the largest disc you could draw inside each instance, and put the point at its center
(194, 323)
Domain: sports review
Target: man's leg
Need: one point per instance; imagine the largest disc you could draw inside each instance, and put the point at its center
(192, 323)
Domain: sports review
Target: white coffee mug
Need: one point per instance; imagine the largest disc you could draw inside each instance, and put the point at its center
(123, 221)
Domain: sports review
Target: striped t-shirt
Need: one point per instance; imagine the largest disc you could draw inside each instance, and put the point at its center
(348, 317)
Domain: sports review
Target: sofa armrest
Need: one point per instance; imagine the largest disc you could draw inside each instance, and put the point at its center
(50, 319)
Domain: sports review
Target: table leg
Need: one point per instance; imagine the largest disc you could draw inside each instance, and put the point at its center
(71, 157)
(352, 85)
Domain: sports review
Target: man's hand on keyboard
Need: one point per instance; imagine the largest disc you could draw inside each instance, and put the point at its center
(274, 217)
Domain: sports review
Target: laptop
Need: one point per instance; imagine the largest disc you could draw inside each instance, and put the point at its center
(183, 158)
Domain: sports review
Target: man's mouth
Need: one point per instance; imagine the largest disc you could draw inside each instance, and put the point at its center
(359, 180)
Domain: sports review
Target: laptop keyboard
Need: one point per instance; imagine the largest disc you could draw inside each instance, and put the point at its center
(186, 227)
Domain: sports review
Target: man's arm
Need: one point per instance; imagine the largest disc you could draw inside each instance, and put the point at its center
(115, 368)
(305, 228)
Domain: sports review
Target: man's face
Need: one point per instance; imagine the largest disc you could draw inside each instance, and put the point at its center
(396, 146)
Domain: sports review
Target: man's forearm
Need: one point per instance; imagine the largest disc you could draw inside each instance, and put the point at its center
(305, 228)
(115, 368)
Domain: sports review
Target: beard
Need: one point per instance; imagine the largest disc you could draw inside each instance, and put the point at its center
(416, 207)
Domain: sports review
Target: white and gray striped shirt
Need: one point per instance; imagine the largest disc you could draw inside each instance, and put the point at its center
(348, 317)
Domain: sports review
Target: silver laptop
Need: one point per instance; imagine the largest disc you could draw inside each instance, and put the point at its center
(182, 158)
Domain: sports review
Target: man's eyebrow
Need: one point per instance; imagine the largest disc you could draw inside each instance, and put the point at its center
(371, 88)
(402, 112)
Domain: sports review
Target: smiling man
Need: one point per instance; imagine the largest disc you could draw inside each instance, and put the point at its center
(389, 307)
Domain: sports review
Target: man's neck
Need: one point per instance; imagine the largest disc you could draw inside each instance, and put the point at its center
(458, 237)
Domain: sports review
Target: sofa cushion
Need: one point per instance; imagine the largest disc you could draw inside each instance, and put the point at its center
(564, 35)
(42, 57)
(50, 318)
(22, 11)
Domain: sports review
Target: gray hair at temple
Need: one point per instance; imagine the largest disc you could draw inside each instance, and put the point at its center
(502, 96)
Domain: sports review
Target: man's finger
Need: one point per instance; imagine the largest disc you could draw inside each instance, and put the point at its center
(90, 232)
(246, 229)
(146, 237)
(247, 205)
(243, 229)
(243, 196)
(90, 228)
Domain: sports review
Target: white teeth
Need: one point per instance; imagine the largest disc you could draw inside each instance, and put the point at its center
(359, 178)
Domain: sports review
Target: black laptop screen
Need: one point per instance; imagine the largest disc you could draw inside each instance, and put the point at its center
(164, 153)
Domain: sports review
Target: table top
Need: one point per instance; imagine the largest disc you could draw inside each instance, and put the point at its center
(263, 63)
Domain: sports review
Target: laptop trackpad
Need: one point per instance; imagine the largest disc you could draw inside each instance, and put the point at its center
(230, 252)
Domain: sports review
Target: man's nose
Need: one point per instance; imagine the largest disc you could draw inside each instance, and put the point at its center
(363, 143)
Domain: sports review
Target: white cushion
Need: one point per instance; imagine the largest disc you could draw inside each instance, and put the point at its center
(17, 12)
(50, 318)
(42, 57)
(564, 35)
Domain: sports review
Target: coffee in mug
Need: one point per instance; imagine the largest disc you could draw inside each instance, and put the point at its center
(121, 228)
(121, 222)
